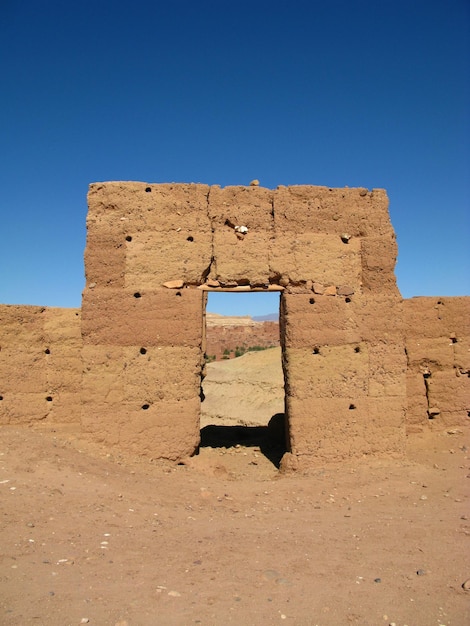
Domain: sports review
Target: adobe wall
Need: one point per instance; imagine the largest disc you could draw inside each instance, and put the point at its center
(438, 352)
(40, 365)
(153, 251)
(355, 355)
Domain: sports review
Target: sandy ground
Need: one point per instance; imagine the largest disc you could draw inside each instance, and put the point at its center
(93, 537)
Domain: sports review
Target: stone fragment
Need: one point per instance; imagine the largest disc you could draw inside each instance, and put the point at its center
(318, 288)
(298, 289)
(330, 291)
(174, 284)
(271, 574)
(433, 412)
(345, 290)
(254, 183)
(212, 283)
(241, 229)
(466, 585)
(289, 463)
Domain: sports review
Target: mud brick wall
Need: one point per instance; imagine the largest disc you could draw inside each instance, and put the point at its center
(142, 342)
(152, 252)
(438, 352)
(345, 374)
(40, 365)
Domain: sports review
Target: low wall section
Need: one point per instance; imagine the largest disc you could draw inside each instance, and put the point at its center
(438, 353)
(40, 365)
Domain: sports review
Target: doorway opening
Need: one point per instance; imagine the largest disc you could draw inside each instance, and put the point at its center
(243, 396)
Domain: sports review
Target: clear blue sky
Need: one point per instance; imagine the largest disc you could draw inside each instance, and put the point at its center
(359, 93)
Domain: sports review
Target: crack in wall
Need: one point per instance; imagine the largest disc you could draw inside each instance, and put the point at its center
(426, 376)
(273, 277)
(211, 270)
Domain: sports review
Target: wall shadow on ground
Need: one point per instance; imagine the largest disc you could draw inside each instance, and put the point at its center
(270, 439)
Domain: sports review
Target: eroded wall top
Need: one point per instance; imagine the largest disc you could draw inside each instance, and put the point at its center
(141, 236)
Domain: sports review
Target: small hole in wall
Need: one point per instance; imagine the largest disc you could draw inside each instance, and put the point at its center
(316, 350)
(137, 295)
(347, 300)
(440, 302)
(148, 189)
(49, 398)
(468, 412)
(352, 407)
(454, 339)
(190, 239)
(312, 300)
(143, 351)
(145, 406)
(76, 314)
(357, 349)
(178, 293)
(1, 397)
(47, 351)
(128, 238)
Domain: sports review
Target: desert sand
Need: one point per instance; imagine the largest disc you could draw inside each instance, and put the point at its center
(96, 537)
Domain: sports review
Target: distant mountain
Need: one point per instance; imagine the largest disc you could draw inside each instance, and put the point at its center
(271, 317)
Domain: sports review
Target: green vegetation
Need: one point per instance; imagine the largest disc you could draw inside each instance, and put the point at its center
(241, 350)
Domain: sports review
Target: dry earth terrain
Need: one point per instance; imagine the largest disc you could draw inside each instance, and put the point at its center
(93, 537)
(226, 334)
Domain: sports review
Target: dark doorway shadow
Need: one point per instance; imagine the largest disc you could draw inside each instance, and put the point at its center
(270, 439)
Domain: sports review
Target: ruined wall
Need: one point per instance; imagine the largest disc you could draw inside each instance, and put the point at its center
(142, 342)
(438, 351)
(40, 365)
(343, 344)
(153, 250)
